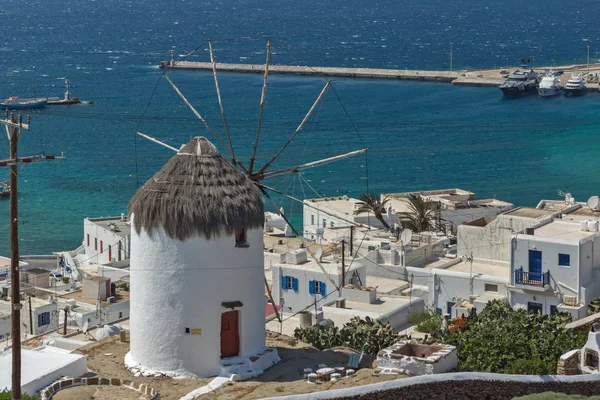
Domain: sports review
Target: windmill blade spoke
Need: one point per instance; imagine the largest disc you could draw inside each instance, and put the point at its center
(214, 68)
(150, 138)
(263, 189)
(289, 170)
(298, 129)
(262, 105)
(197, 114)
(307, 204)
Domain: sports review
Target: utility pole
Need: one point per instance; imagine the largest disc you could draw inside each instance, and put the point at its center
(13, 136)
(30, 317)
(65, 321)
(343, 267)
(351, 241)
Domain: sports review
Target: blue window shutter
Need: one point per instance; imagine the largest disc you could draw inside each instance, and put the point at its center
(39, 320)
(283, 282)
(311, 287)
(295, 284)
(323, 289)
(47, 318)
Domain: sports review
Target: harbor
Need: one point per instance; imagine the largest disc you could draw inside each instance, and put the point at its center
(476, 77)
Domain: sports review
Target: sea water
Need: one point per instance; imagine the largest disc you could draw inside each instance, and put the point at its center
(419, 135)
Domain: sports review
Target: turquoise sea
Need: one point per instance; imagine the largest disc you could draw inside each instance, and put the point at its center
(419, 135)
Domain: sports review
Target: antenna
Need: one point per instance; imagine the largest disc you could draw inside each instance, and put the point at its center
(85, 327)
(319, 253)
(406, 236)
(594, 203)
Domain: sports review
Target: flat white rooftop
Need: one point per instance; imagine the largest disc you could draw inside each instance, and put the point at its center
(500, 270)
(386, 285)
(41, 366)
(450, 198)
(341, 204)
(384, 304)
(564, 230)
(328, 265)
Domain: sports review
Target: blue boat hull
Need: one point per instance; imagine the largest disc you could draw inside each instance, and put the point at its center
(23, 105)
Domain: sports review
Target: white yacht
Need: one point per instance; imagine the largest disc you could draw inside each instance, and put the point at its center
(550, 86)
(575, 86)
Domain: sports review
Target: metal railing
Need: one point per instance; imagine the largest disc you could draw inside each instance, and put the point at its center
(532, 278)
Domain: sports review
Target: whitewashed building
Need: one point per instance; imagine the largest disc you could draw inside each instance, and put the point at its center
(299, 283)
(106, 240)
(448, 285)
(44, 316)
(457, 206)
(336, 212)
(555, 266)
(197, 283)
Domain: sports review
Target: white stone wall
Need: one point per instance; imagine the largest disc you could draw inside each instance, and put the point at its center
(491, 242)
(177, 285)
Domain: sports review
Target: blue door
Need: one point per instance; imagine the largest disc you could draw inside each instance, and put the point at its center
(535, 263)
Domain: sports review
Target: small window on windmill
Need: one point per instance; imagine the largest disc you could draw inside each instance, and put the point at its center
(240, 237)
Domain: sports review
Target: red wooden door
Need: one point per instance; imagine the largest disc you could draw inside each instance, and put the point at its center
(230, 338)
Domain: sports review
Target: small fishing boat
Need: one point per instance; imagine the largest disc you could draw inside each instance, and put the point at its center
(4, 189)
(15, 103)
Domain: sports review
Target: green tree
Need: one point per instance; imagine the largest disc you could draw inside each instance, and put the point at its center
(502, 340)
(370, 203)
(427, 321)
(422, 214)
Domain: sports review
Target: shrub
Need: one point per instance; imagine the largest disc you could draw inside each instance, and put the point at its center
(7, 395)
(594, 306)
(500, 339)
(374, 335)
(123, 286)
(427, 321)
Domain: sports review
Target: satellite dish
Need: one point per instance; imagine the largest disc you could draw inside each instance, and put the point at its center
(594, 203)
(319, 253)
(85, 327)
(406, 235)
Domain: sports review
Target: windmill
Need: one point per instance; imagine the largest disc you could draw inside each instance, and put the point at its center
(259, 174)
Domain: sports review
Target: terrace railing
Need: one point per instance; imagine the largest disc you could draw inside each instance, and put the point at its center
(532, 278)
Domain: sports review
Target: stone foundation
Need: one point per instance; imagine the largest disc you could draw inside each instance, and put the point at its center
(568, 364)
(50, 391)
(408, 357)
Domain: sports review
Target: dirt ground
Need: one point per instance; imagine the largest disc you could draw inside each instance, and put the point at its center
(106, 359)
(286, 377)
(99, 393)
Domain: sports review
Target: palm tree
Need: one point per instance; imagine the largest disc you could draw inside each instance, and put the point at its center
(369, 203)
(422, 214)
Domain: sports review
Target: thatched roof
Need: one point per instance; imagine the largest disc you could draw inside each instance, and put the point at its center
(197, 192)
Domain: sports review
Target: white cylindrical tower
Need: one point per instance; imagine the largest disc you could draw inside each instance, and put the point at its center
(197, 286)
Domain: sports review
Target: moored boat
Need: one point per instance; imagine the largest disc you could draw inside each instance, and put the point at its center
(520, 83)
(15, 103)
(575, 86)
(550, 85)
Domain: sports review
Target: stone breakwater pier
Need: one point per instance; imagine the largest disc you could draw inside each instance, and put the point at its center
(465, 78)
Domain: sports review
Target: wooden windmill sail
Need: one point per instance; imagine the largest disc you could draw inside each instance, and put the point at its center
(260, 173)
